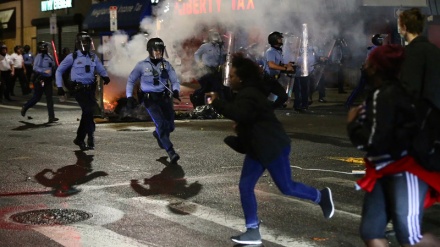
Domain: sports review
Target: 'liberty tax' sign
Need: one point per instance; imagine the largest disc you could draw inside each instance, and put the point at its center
(196, 7)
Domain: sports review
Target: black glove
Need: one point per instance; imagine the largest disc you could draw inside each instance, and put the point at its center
(61, 91)
(176, 95)
(106, 80)
(164, 75)
(131, 103)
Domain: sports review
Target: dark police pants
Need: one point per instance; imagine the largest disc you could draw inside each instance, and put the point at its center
(162, 113)
(87, 101)
(5, 78)
(19, 73)
(39, 89)
(209, 82)
(301, 92)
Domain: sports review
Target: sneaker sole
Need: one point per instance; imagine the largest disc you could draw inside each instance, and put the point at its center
(247, 242)
(331, 201)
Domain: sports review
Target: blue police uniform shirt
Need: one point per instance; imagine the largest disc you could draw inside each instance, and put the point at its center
(28, 58)
(211, 55)
(78, 72)
(43, 64)
(147, 72)
(273, 55)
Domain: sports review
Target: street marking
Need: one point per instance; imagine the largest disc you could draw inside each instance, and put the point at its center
(41, 104)
(81, 235)
(10, 107)
(160, 208)
(60, 106)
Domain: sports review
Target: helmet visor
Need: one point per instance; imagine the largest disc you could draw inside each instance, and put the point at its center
(86, 43)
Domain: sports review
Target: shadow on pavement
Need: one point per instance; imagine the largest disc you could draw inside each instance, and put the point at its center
(28, 125)
(63, 180)
(170, 181)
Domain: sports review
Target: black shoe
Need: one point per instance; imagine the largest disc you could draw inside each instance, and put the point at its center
(326, 203)
(174, 157)
(81, 144)
(157, 139)
(233, 142)
(23, 111)
(91, 142)
(342, 92)
(322, 100)
(9, 99)
(52, 119)
(251, 236)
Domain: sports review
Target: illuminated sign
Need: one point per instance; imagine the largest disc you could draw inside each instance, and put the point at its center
(55, 4)
(196, 7)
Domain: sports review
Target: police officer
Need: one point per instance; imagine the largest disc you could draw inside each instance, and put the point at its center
(273, 66)
(83, 64)
(303, 87)
(6, 72)
(209, 57)
(154, 73)
(20, 71)
(28, 61)
(43, 70)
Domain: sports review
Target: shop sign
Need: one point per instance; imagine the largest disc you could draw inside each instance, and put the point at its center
(50, 5)
(196, 7)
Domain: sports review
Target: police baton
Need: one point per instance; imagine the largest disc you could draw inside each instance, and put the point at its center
(169, 90)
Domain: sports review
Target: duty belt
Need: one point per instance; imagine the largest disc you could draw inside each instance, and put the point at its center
(83, 87)
(155, 95)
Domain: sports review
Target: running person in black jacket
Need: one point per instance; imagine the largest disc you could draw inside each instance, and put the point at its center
(266, 145)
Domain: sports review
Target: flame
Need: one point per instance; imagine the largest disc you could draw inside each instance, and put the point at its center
(109, 105)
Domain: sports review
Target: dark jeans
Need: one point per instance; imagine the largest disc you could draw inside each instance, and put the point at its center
(162, 113)
(87, 101)
(39, 89)
(301, 92)
(281, 174)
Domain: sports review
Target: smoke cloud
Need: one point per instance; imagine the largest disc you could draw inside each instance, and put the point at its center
(249, 20)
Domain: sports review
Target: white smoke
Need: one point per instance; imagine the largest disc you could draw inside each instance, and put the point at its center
(250, 20)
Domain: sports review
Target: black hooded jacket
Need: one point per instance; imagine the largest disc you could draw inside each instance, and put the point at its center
(260, 133)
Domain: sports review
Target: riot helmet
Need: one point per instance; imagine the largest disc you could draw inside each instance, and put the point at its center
(214, 37)
(377, 39)
(274, 37)
(42, 47)
(84, 42)
(155, 44)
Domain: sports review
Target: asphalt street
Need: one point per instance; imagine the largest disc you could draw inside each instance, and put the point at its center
(125, 193)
